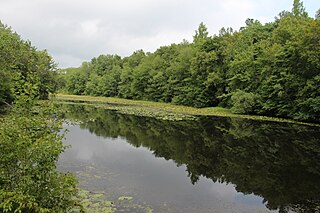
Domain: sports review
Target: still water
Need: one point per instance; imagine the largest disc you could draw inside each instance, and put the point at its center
(207, 165)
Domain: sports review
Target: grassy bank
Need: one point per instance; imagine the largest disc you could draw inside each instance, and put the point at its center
(159, 110)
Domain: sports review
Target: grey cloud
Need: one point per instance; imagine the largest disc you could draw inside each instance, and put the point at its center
(77, 30)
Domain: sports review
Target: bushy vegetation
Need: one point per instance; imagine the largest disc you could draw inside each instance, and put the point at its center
(273, 67)
(18, 59)
(30, 138)
(243, 102)
(30, 145)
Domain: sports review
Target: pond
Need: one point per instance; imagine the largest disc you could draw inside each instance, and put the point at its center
(210, 164)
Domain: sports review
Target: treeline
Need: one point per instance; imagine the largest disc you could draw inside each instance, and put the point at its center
(268, 69)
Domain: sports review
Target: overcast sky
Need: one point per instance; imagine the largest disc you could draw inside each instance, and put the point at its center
(74, 31)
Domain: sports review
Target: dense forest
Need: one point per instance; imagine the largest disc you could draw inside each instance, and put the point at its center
(268, 69)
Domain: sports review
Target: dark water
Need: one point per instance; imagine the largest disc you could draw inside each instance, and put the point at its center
(208, 165)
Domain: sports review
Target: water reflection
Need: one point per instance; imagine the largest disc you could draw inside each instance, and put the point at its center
(276, 161)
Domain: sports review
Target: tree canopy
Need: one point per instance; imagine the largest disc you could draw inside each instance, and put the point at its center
(268, 69)
(18, 58)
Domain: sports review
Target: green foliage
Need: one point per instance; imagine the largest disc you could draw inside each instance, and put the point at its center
(76, 79)
(243, 102)
(279, 62)
(309, 110)
(201, 35)
(298, 9)
(18, 57)
(30, 144)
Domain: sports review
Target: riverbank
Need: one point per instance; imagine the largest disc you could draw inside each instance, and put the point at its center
(165, 111)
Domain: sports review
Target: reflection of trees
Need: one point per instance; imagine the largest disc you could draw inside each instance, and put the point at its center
(278, 161)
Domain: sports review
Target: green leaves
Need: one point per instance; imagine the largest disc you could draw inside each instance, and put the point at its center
(243, 102)
(30, 144)
(298, 9)
(19, 59)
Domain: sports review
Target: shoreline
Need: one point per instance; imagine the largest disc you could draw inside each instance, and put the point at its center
(165, 111)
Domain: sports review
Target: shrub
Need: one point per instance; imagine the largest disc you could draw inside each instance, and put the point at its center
(243, 102)
(30, 145)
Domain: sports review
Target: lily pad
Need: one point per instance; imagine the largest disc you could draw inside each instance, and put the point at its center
(125, 198)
